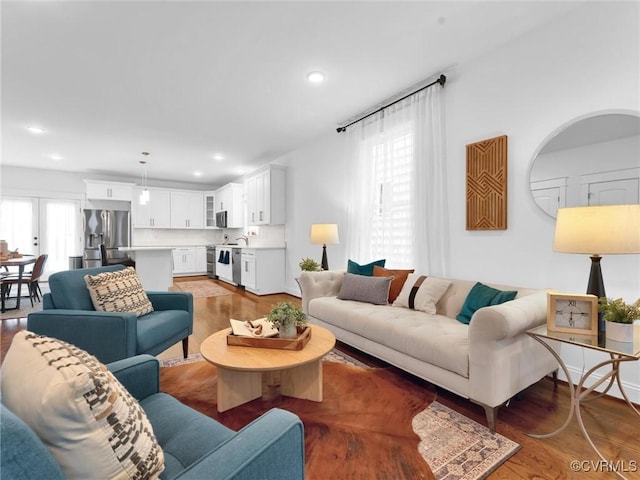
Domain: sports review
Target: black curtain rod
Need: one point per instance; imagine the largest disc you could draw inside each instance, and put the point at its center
(441, 80)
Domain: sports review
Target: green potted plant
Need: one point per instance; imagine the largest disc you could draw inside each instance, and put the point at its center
(286, 317)
(620, 317)
(309, 265)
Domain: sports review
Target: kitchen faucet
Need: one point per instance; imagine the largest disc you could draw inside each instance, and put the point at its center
(245, 238)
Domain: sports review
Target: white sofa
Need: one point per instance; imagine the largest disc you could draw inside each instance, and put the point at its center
(488, 361)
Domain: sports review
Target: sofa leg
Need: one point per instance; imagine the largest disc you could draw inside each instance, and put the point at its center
(185, 347)
(492, 415)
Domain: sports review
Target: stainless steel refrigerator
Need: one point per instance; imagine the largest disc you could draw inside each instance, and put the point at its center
(111, 227)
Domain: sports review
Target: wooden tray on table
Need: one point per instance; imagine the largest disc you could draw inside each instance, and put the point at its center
(297, 343)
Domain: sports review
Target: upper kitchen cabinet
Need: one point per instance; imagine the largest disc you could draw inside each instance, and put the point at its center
(229, 199)
(187, 210)
(209, 210)
(266, 196)
(156, 213)
(98, 190)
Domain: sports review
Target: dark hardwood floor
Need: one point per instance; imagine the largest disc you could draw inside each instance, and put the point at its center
(614, 428)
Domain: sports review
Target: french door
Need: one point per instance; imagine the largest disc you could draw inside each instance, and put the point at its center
(43, 225)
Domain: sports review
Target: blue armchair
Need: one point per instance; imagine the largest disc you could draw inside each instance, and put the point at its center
(194, 445)
(68, 314)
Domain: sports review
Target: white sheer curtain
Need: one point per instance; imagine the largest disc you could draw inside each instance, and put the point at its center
(397, 172)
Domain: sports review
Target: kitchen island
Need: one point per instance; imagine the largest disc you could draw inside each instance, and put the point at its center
(154, 266)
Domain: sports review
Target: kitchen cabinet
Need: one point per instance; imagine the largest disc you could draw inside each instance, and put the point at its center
(209, 210)
(229, 198)
(187, 210)
(184, 260)
(263, 270)
(201, 259)
(190, 260)
(156, 213)
(248, 269)
(265, 191)
(98, 190)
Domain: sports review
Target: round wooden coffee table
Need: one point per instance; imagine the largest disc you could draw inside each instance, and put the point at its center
(241, 369)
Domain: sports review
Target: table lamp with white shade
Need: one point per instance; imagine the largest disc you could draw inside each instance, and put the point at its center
(597, 231)
(324, 234)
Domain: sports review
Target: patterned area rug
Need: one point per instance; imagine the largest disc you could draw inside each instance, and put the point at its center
(454, 447)
(202, 288)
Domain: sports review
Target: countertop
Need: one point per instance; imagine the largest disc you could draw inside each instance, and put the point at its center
(133, 249)
(252, 247)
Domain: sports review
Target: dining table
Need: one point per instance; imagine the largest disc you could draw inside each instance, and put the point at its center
(19, 262)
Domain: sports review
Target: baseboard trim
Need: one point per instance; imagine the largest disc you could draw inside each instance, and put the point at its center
(632, 390)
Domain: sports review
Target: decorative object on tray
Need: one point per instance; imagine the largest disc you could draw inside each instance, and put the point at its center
(253, 328)
(295, 343)
(619, 317)
(572, 313)
(309, 265)
(287, 318)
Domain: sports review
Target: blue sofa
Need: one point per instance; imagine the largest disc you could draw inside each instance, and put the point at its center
(68, 314)
(194, 445)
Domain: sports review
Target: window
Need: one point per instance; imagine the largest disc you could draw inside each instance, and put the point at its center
(391, 216)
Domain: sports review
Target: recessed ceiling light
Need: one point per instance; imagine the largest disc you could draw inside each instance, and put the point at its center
(315, 77)
(218, 156)
(197, 173)
(240, 171)
(34, 129)
(56, 157)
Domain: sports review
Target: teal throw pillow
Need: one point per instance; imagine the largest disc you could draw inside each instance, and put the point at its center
(483, 296)
(353, 267)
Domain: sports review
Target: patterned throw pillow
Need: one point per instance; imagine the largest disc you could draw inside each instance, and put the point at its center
(83, 415)
(119, 291)
(399, 277)
(420, 292)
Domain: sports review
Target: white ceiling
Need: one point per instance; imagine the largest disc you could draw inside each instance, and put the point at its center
(182, 80)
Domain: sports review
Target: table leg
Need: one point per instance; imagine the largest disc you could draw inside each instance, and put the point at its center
(20, 272)
(236, 387)
(303, 381)
(579, 394)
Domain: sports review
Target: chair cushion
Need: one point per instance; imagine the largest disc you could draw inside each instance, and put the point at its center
(160, 326)
(119, 291)
(84, 416)
(69, 290)
(184, 434)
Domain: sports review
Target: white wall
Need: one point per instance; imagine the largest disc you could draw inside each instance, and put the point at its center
(585, 62)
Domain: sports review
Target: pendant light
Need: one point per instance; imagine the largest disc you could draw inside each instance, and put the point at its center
(144, 196)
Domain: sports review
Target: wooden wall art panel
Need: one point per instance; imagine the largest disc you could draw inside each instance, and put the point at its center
(487, 184)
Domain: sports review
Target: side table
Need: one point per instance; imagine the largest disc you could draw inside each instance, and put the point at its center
(618, 352)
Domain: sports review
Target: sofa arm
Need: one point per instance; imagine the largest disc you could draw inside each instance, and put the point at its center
(270, 448)
(171, 300)
(319, 284)
(140, 375)
(87, 329)
(508, 319)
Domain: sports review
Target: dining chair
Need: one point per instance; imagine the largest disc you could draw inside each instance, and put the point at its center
(31, 280)
(105, 260)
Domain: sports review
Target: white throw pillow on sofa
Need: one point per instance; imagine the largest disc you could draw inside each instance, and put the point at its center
(91, 425)
(421, 292)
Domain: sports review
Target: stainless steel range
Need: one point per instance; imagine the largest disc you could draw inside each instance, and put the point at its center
(211, 261)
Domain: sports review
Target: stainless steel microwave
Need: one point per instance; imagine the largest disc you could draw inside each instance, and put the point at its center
(221, 219)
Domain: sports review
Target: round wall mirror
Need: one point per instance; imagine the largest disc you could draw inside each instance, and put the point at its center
(593, 160)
